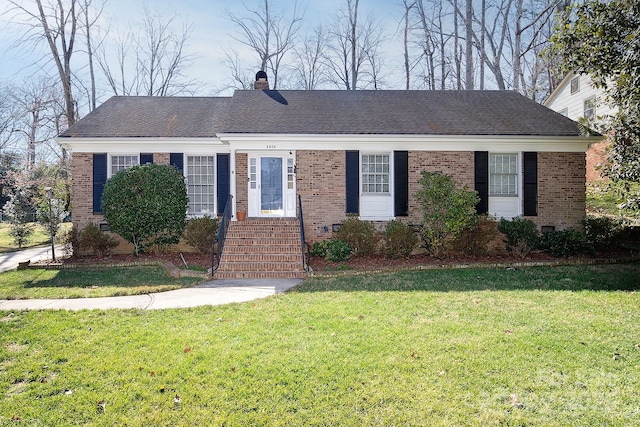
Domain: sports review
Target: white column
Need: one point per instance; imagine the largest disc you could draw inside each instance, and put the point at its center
(232, 182)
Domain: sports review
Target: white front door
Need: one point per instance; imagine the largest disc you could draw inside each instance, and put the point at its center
(272, 183)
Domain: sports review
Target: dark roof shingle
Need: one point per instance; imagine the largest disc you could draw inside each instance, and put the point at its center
(147, 116)
(393, 112)
(325, 112)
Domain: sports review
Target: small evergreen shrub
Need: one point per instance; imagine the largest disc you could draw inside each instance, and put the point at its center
(565, 243)
(201, 232)
(399, 239)
(319, 249)
(361, 236)
(602, 230)
(521, 235)
(96, 241)
(332, 250)
(479, 240)
(337, 250)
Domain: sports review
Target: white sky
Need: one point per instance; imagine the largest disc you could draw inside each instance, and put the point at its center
(211, 31)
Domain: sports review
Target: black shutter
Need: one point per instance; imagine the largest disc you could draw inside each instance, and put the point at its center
(99, 179)
(481, 180)
(146, 158)
(222, 171)
(352, 181)
(177, 161)
(530, 196)
(401, 183)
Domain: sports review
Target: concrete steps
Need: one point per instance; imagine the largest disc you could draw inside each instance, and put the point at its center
(262, 248)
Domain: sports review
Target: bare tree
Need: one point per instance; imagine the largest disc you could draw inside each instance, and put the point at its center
(56, 24)
(270, 35)
(152, 62)
(309, 69)
(36, 119)
(353, 58)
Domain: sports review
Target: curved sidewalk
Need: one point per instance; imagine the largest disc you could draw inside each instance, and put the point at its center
(215, 292)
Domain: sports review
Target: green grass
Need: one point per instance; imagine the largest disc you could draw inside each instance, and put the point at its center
(603, 198)
(37, 238)
(87, 283)
(540, 346)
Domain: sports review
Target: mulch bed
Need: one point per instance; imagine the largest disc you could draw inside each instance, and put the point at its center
(369, 263)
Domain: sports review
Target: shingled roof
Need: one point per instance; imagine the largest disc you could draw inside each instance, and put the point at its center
(147, 116)
(393, 112)
(325, 112)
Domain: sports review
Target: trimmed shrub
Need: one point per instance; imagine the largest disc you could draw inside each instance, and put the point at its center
(521, 235)
(399, 239)
(337, 250)
(201, 232)
(565, 243)
(333, 250)
(361, 236)
(481, 239)
(92, 239)
(146, 205)
(446, 210)
(602, 230)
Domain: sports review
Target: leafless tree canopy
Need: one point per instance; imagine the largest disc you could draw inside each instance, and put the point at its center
(270, 35)
(151, 62)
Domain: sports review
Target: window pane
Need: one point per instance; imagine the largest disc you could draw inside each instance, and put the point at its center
(201, 189)
(503, 174)
(375, 173)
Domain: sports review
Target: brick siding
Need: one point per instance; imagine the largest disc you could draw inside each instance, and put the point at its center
(561, 190)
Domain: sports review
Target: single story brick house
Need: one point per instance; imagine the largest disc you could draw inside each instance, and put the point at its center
(344, 152)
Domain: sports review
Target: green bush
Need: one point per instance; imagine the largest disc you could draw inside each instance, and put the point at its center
(476, 241)
(565, 243)
(399, 239)
(319, 249)
(337, 250)
(332, 250)
(146, 205)
(521, 235)
(446, 210)
(92, 239)
(200, 233)
(602, 230)
(361, 236)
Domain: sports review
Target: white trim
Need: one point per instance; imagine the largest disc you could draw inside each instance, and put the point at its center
(144, 145)
(276, 142)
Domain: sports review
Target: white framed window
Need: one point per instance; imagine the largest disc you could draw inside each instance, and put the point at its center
(200, 175)
(564, 111)
(590, 108)
(575, 84)
(503, 174)
(122, 162)
(376, 175)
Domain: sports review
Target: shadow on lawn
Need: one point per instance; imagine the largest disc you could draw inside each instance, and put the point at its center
(101, 277)
(610, 277)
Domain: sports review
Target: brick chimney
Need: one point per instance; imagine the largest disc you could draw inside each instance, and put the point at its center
(261, 81)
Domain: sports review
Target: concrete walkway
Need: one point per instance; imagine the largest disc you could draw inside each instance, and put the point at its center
(215, 292)
(10, 260)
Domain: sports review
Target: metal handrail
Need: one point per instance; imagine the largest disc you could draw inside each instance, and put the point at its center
(302, 239)
(222, 235)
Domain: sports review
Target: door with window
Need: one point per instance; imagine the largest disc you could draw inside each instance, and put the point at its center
(272, 184)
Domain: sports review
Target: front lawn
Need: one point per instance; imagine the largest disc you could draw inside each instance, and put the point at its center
(540, 346)
(36, 239)
(87, 283)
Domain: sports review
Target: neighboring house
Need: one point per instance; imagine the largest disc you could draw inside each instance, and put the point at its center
(575, 97)
(344, 152)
